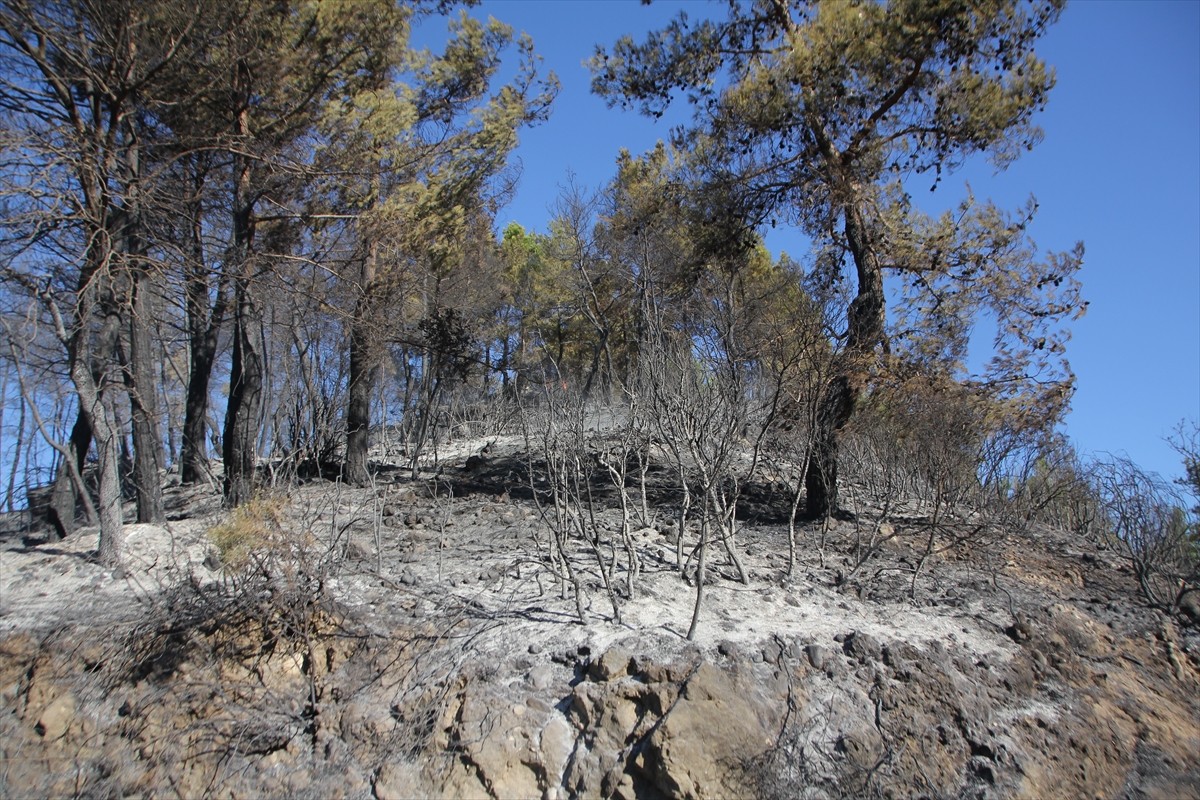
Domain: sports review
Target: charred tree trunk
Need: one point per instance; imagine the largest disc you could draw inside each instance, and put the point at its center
(194, 452)
(363, 371)
(358, 414)
(204, 328)
(95, 397)
(64, 497)
(866, 333)
(108, 447)
(138, 365)
(244, 411)
(143, 405)
(820, 481)
(240, 437)
(88, 367)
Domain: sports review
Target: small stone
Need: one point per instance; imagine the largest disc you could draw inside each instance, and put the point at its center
(538, 704)
(541, 677)
(817, 655)
(1021, 629)
(613, 664)
(394, 782)
(56, 719)
(862, 646)
(1189, 606)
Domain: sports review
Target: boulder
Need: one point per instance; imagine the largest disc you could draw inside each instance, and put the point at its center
(717, 726)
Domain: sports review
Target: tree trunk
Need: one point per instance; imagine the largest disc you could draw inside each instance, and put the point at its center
(820, 481)
(362, 378)
(244, 410)
(9, 498)
(88, 374)
(137, 307)
(866, 332)
(95, 398)
(194, 451)
(240, 439)
(358, 415)
(143, 406)
(64, 497)
(204, 328)
(107, 438)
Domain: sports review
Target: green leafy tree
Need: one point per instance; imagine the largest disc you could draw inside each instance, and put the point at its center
(542, 308)
(414, 157)
(282, 63)
(820, 115)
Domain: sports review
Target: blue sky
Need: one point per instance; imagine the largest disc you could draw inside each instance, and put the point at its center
(1119, 169)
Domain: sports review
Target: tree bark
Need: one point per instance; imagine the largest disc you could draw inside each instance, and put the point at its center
(866, 333)
(240, 438)
(88, 374)
(204, 328)
(107, 438)
(363, 371)
(244, 410)
(64, 497)
(194, 451)
(820, 481)
(9, 499)
(358, 416)
(143, 405)
(138, 366)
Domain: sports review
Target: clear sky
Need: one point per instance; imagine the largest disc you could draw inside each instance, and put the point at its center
(1119, 169)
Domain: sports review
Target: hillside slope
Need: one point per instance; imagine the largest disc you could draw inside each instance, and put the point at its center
(427, 638)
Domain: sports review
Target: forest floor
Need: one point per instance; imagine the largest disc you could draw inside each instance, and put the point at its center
(463, 558)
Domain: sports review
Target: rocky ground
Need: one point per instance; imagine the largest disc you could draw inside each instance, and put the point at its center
(415, 639)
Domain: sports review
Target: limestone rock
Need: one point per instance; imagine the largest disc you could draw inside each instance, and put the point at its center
(862, 646)
(398, 781)
(715, 726)
(56, 718)
(1189, 606)
(818, 656)
(613, 664)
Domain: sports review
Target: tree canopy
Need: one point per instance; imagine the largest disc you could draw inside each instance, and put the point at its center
(824, 116)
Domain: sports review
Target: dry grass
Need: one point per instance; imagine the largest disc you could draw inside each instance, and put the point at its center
(250, 529)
